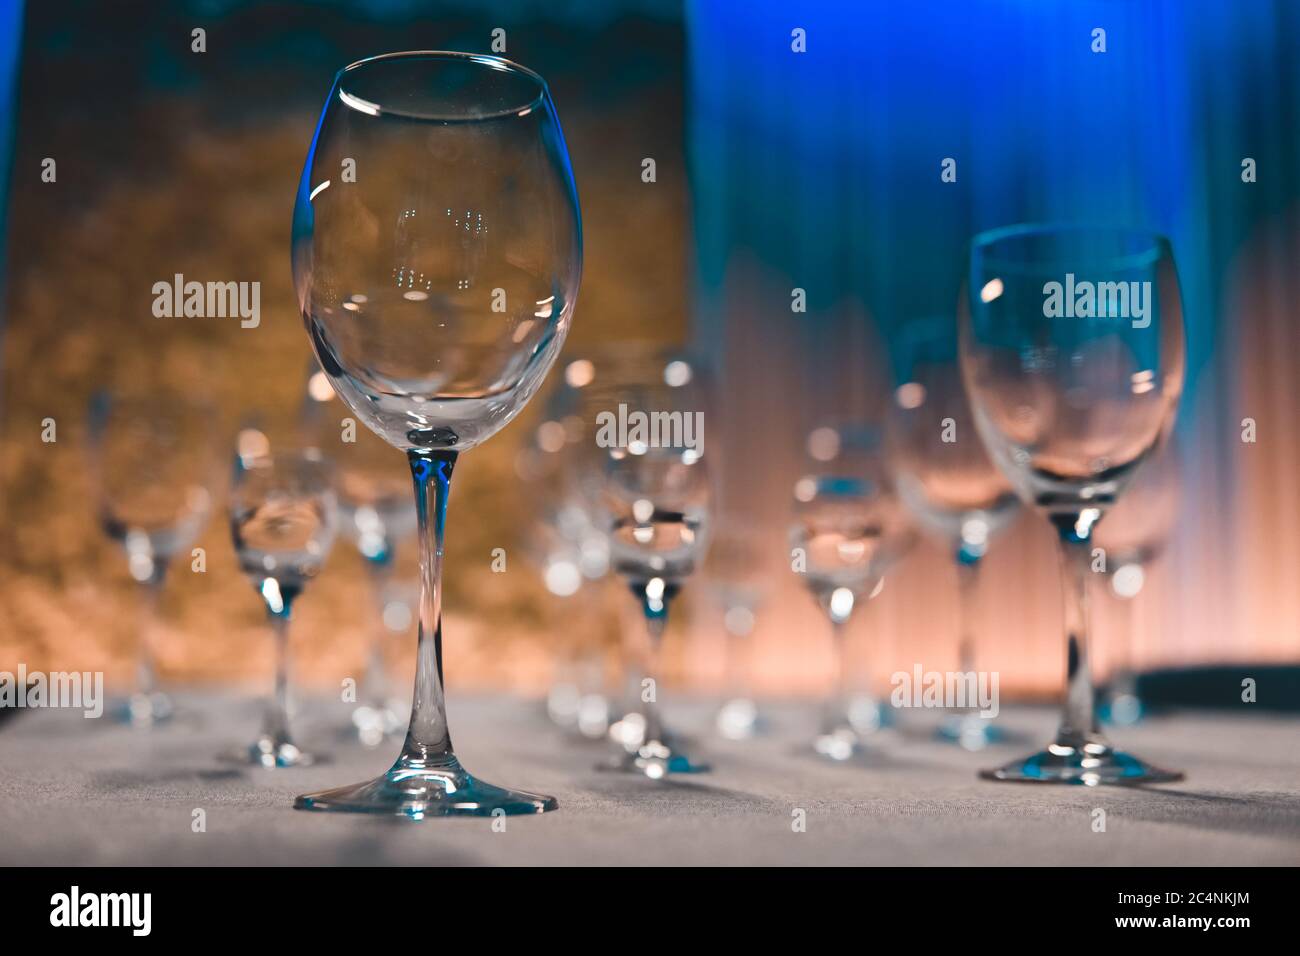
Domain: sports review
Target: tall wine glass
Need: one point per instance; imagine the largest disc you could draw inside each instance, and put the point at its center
(1072, 356)
(154, 470)
(951, 487)
(437, 252)
(848, 530)
(283, 517)
(1133, 538)
(656, 499)
(376, 516)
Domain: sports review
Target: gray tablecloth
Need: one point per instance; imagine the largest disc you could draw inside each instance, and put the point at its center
(76, 791)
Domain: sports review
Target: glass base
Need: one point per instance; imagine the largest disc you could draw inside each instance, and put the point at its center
(740, 719)
(969, 731)
(839, 744)
(444, 790)
(270, 753)
(144, 710)
(1090, 765)
(656, 759)
(372, 723)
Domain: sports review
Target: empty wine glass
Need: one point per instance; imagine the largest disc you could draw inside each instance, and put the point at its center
(154, 470)
(282, 521)
(848, 529)
(950, 485)
(376, 515)
(1133, 538)
(655, 499)
(1072, 356)
(733, 576)
(437, 252)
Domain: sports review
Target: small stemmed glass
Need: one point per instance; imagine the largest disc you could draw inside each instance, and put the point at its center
(154, 470)
(733, 576)
(376, 515)
(437, 285)
(1072, 357)
(1133, 538)
(282, 521)
(949, 484)
(655, 500)
(848, 530)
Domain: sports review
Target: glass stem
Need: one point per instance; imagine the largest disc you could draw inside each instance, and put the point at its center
(967, 594)
(656, 620)
(837, 710)
(146, 669)
(275, 722)
(376, 689)
(1078, 719)
(428, 741)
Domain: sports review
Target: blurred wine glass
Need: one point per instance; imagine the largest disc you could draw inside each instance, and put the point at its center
(377, 516)
(1072, 357)
(154, 467)
(437, 286)
(282, 521)
(734, 578)
(1133, 537)
(848, 530)
(655, 506)
(953, 490)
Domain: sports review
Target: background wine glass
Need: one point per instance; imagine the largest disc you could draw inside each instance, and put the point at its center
(656, 500)
(437, 286)
(376, 516)
(283, 518)
(154, 471)
(1072, 356)
(950, 485)
(733, 577)
(1133, 537)
(848, 529)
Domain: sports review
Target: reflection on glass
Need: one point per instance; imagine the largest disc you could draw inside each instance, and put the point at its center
(154, 470)
(282, 521)
(437, 285)
(1072, 356)
(951, 487)
(848, 529)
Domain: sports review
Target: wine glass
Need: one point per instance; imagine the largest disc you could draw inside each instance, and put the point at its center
(1133, 538)
(733, 576)
(655, 507)
(950, 486)
(848, 530)
(376, 516)
(154, 471)
(437, 252)
(283, 518)
(1072, 357)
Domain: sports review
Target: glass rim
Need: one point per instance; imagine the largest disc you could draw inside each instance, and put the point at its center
(1159, 245)
(491, 61)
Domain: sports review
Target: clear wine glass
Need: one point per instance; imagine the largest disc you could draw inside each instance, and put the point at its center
(951, 487)
(1072, 357)
(848, 530)
(734, 578)
(154, 472)
(1133, 538)
(376, 516)
(655, 505)
(283, 518)
(437, 253)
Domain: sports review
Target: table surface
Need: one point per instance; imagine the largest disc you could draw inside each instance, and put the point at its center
(76, 791)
